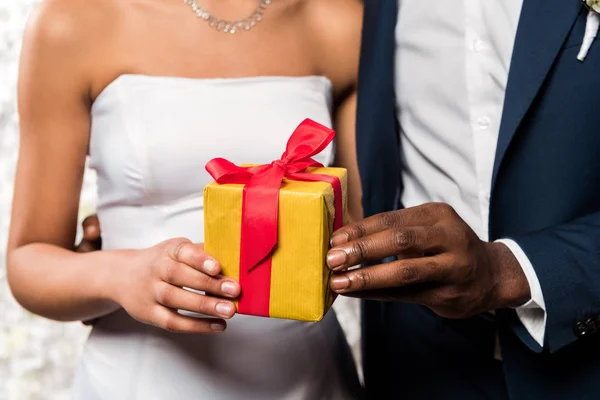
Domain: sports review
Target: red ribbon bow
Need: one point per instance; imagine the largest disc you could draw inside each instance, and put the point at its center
(260, 206)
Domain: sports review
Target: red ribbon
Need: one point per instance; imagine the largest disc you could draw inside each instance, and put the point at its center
(260, 207)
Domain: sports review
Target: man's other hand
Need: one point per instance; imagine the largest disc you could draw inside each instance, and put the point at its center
(92, 240)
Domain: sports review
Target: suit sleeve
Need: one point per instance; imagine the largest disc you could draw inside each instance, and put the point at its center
(566, 259)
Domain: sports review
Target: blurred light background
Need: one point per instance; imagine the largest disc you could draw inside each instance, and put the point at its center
(37, 356)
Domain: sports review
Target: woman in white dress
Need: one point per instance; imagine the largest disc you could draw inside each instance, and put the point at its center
(151, 90)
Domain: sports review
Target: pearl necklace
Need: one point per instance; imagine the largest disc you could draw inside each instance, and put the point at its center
(230, 26)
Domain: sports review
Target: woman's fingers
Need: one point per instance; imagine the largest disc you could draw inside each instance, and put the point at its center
(193, 254)
(188, 266)
(170, 320)
(180, 299)
(182, 275)
(195, 269)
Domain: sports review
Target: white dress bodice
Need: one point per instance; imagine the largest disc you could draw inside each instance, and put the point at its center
(150, 140)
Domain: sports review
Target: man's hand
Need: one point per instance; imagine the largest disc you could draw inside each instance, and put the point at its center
(92, 240)
(441, 264)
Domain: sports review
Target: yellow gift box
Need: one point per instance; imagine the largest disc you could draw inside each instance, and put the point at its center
(299, 275)
(296, 287)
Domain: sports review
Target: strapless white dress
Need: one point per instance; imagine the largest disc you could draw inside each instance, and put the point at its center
(150, 140)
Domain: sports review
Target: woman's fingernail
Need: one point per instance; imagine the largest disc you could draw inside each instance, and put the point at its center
(340, 283)
(217, 327)
(229, 288)
(210, 267)
(225, 309)
(336, 258)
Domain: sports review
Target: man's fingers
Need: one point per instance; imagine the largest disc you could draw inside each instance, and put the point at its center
(396, 274)
(418, 293)
(87, 247)
(426, 214)
(91, 240)
(180, 299)
(392, 242)
(193, 254)
(183, 275)
(170, 320)
(91, 228)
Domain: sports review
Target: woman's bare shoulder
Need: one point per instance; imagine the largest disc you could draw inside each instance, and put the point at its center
(337, 26)
(338, 19)
(71, 28)
(69, 42)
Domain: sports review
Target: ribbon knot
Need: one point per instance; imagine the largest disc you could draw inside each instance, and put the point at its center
(260, 205)
(281, 164)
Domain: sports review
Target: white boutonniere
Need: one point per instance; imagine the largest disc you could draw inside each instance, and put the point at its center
(591, 27)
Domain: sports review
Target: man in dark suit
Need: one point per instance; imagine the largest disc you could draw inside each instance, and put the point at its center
(478, 143)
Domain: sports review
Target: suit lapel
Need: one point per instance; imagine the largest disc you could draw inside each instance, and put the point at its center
(543, 28)
(378, 156)
(376, 128)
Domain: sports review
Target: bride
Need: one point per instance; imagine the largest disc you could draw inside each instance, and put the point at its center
(151, 90)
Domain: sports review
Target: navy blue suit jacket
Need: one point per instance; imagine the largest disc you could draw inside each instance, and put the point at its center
(545, 196)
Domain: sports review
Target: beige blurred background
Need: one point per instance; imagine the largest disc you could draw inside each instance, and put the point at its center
(37, 356)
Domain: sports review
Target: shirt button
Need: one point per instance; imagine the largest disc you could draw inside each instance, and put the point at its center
(483, 123)
(477, 45)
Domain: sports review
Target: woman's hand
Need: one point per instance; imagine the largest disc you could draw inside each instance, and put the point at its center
(151, 290)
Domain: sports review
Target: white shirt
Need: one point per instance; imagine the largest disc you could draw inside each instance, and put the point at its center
(452, 63)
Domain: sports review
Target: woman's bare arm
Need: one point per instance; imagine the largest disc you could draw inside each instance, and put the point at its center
(45, 275)
(336, 26)
(345, 154)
